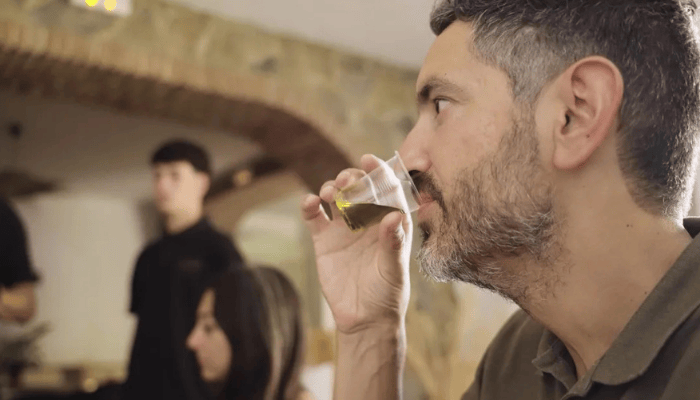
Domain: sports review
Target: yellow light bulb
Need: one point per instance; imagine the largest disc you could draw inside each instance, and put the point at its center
(110, 5)
(91, 3)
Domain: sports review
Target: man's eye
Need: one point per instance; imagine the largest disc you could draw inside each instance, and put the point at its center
(440, 105)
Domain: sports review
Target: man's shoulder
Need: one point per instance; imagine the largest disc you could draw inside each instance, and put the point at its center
(678, 364)
(219, 236)
(149, 250)
(222, 243)
(209, 234)
(151, 246)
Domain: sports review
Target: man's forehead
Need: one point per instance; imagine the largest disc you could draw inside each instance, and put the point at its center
(449, 54)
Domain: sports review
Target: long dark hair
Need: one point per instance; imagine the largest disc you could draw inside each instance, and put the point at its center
(259, 311)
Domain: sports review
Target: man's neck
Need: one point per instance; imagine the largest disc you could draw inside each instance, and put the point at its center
(180, 222)
(613, 262)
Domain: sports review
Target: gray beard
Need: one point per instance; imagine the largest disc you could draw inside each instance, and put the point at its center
(499, 232)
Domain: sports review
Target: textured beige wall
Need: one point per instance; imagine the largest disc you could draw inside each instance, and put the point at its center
(84, 247)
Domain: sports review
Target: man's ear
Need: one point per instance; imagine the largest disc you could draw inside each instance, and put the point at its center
(590, 92)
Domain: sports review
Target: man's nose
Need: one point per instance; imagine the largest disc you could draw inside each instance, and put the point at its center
(413, 151)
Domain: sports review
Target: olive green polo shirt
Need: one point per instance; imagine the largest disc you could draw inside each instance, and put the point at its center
(655, 357)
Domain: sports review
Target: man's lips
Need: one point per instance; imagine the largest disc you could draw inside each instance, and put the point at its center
(424, 205)
(425, 202)
(424, 199)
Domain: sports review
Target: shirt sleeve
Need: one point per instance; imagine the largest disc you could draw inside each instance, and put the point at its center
(15, 265)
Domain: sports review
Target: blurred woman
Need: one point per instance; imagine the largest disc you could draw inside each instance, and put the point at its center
(248, 337)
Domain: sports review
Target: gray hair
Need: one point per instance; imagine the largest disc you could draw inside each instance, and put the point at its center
(654, 44)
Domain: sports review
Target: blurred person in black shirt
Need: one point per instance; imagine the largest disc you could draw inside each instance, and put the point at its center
(17, 278)
(171, 275)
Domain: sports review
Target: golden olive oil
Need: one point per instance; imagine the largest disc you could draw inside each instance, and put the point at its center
(362, 215)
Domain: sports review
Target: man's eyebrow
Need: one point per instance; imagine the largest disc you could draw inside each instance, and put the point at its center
(435, 84)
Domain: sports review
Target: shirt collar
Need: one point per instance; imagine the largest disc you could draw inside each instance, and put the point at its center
(670, 303)
(552, 359)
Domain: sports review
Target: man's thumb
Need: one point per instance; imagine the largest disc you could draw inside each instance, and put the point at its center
(393, 235)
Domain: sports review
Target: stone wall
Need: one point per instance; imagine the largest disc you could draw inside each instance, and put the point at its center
(365, 105)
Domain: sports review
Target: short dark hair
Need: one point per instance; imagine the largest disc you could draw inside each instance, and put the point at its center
(654, 45)
(182, 150)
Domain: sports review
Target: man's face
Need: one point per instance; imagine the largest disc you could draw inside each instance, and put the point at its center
(486, 198)
(178, 187)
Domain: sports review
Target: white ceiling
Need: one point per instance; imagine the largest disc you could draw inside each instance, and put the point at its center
(396, 31)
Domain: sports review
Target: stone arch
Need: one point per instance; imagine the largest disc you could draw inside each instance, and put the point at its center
(285, 124)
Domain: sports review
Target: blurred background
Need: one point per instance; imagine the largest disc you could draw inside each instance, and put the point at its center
(283, 94)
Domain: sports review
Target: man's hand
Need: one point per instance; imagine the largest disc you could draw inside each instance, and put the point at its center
(364, 275)
(365, 279)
